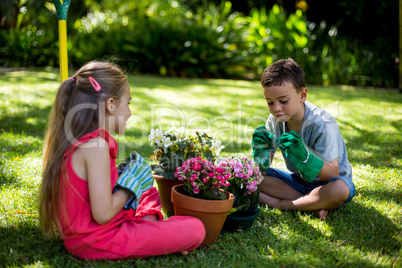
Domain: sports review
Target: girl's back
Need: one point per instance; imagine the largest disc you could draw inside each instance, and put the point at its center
(78, 192)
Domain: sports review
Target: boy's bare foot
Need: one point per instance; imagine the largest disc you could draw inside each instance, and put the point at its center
(270, 201)
(184, 253)
(322, 214)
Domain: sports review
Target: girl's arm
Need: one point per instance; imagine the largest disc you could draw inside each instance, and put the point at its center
(329, 170)
(104, 204)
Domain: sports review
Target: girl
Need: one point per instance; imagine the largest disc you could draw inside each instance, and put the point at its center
(79, 174)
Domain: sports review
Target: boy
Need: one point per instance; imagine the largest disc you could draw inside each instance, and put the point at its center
(320, 177)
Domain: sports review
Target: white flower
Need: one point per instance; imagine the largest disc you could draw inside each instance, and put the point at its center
(172, 130)
(167, 142)
(158, 136)
(217, 147)
(181, 130)
(217, 144)
(151, 136)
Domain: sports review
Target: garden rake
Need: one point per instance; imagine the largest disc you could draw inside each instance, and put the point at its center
(62, 8)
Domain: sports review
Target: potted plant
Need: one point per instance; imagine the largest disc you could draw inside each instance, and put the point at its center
(201, 195)
(172, 148)
(244, 181)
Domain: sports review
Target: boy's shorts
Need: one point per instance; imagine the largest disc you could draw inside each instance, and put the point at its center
(304, 187)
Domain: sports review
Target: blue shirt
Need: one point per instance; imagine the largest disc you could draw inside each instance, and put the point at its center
(320, 133)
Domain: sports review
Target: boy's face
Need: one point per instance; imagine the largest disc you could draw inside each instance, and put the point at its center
(284, 102)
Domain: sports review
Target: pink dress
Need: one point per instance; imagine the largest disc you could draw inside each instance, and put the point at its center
(126, 235)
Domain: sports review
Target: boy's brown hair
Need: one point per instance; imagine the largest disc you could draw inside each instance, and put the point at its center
(281, 71)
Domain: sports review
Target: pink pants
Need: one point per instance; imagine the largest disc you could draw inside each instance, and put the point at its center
(134, 237)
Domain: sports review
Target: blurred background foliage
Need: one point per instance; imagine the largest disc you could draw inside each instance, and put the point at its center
(338, 42)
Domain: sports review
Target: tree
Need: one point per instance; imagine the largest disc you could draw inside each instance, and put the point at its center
(9, 11)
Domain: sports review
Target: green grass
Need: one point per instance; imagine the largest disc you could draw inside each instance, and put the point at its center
(365, 233)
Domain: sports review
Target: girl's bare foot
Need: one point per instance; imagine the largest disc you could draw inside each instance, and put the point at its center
(322, 214)
(184, 253)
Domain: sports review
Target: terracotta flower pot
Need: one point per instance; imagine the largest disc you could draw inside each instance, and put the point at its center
(165, 189)
(212, 213)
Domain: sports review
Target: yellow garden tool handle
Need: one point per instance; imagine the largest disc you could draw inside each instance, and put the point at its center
(63, 50)
(62, 8)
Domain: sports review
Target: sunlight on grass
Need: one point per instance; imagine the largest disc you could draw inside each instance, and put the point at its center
(364, 233)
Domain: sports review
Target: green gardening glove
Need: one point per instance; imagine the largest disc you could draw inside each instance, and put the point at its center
(135, 175)
(262, 142)
(300, 156)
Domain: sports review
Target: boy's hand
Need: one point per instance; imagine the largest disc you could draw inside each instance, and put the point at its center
(262, 142)
(300, 156)
(135, 175)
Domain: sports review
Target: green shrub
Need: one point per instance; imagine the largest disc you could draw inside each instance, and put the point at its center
(325, 57)
(204, 44)
(273, 35)
(166, 38)
(28, 47)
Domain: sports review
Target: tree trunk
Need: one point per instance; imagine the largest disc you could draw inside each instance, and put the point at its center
(9, 14)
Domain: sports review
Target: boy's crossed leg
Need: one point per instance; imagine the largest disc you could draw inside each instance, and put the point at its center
(278, 194)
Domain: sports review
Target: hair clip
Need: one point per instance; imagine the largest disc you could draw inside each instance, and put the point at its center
(94, 83)
(72, 78)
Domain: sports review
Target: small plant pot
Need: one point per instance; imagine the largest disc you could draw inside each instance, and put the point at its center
(165, 189)
(212, 213)
(234, 222)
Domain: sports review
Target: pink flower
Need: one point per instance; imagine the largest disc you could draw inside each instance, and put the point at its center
(220, 170)
(200, 174)
(196, 166)
(242, 171)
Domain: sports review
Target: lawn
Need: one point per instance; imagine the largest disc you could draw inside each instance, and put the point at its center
(367, 232)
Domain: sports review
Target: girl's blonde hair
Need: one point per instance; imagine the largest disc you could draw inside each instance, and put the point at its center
(76, 111)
